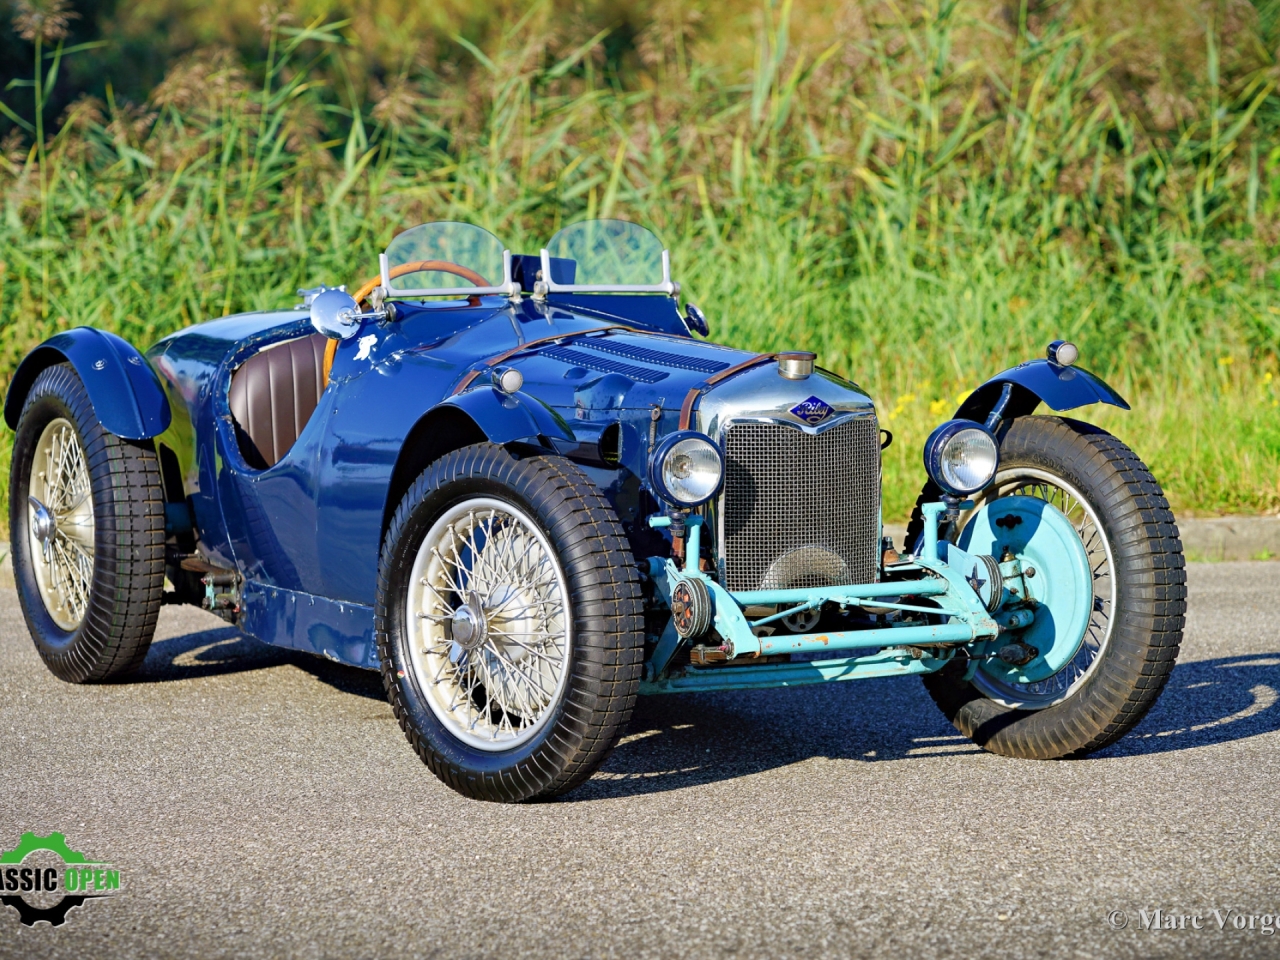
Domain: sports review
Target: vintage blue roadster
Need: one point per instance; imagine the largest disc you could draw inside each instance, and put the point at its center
(519, 487)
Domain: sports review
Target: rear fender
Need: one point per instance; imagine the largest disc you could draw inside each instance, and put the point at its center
(1039, 381)
(124, 390)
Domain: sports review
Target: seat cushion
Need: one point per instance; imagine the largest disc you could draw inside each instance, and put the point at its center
(273, 395)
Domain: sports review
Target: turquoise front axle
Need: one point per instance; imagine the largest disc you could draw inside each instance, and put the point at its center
(935, 593)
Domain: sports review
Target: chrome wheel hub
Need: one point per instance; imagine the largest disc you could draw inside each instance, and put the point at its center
(43, 526)
(60, 524)
(468, 623)
(486, 612)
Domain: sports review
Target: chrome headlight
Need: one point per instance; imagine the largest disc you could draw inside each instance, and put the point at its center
(961, 457)
(686, 469)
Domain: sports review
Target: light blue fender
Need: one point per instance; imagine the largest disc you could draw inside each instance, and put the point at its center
(1039, 381)
(122, 387)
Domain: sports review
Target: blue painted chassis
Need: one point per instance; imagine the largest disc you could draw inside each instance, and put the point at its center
(305, 534)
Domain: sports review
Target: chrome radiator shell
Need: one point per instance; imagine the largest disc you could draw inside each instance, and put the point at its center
(800, 508)
(801, 502)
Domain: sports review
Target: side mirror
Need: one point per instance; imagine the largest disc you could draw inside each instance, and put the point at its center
(697, 320)
(335, 314)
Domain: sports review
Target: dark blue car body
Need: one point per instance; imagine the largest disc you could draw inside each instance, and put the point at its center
(306, 533)
(303, 536)
(525, 492)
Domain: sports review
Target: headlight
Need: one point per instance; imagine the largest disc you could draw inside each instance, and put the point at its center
(961, 457)
(686, 469)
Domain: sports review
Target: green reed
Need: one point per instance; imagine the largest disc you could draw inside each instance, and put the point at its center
(921, 214)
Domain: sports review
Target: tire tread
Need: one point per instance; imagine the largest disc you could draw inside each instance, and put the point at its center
(128, 571)
(1148, 618)
(604, 607)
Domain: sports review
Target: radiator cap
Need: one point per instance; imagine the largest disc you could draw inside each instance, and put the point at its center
(796, 365)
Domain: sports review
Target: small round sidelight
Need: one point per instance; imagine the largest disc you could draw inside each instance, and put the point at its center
(508, 379)
(1063, 352)
(961, 457)
(686, 469)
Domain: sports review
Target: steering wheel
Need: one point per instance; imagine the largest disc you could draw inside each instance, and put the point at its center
(421, 266)
(424, 266)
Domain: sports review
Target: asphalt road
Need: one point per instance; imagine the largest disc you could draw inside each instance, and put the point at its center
(263, 803)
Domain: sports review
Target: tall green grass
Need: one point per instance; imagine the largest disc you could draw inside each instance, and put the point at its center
(922, 203)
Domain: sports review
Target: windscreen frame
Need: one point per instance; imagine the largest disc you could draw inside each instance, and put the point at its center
(508, 287)
(667, 286)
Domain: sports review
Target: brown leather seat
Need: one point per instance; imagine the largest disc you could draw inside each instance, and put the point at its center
(273, 395)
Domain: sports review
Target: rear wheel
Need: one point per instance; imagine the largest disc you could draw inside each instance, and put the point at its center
(86, 517)
(1138, 598)
(508, 624)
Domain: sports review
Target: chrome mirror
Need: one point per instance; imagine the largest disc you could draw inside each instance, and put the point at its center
(335, 314)
(697, 320)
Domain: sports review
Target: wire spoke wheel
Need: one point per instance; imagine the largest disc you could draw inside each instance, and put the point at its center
(86, 522)
(1033, 482)
(1133, 591)
(508, 623)
(488, 625)
(61, 523)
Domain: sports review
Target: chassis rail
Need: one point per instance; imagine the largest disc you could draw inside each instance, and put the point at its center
(892, 649)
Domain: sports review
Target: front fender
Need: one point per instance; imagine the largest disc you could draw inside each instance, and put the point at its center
(122, 387)
(1035, 382)
(511, 418)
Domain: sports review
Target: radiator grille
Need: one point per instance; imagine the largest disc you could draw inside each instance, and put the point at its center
(801, 510)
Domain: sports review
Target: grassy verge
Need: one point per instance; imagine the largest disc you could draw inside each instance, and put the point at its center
(1206, 412)
(922, 204)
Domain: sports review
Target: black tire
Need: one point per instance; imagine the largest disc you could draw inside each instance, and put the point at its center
(119, 617)
(1149, 578)
(604, 655)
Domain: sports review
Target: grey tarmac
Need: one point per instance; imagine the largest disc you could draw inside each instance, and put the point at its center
(263, 803)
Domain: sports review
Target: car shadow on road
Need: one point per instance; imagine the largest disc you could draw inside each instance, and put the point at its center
(1209, 702)
(208, 653)
(225, 650)
(689, 739)
(681, 741)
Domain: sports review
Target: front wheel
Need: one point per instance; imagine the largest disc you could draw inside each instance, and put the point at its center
(1136, 600)
(508, 624)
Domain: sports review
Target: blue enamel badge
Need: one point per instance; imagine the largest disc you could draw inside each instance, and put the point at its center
(813, 410)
